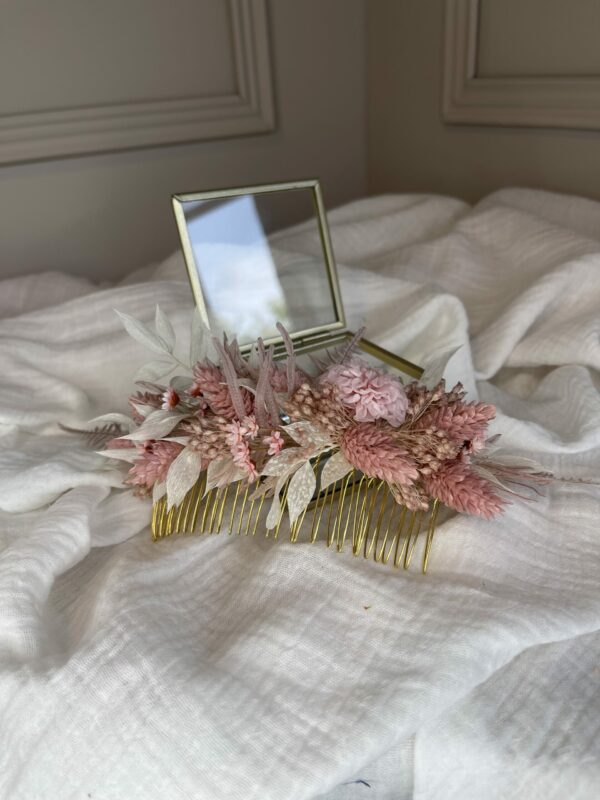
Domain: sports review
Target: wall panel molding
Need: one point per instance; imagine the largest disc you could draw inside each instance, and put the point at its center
(249, 109)
(552, 102)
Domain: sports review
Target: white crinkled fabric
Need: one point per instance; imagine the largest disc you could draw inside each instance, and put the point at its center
(229, 668)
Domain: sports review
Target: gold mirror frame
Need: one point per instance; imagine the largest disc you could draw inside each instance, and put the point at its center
(178, 201)
(310, 339)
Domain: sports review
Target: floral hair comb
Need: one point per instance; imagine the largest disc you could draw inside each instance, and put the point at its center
(344, 450)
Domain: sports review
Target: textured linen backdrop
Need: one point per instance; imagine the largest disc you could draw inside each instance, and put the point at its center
(224, 667)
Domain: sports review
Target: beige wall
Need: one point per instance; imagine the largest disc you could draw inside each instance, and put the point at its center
(104, 215)
(411, 149)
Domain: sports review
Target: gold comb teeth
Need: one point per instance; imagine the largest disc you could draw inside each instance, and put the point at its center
(359, 513)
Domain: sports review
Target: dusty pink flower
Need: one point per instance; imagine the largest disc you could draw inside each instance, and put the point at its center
(372, 393)
(170, 399)
(274, 442)
(458, 487)
(153, 463)
(374, 452)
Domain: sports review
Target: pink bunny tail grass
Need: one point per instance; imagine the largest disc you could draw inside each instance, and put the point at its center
(374, 453)
(458, 487)
(210, 383)
(153, 464)
(462, 422)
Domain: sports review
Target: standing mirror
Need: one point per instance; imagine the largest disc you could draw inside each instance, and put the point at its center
(246, 274)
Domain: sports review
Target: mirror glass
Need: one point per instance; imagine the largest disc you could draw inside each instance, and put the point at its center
(253, 267)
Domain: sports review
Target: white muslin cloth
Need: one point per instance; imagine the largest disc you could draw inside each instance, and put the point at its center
(224, 668)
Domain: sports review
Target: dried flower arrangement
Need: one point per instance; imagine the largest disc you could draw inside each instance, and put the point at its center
(289, 435)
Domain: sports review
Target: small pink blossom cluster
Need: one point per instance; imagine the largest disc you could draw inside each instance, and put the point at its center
(238, 437)
(243, 413)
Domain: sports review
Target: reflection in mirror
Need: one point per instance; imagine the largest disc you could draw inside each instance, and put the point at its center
(250, 277)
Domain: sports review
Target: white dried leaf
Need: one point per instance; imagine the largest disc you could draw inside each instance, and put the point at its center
(156, 425)
(275, 510)
(182, 475)
(181, 383)
(153, 371)
(274, 513)
(138, 331)
(221, 472)
(253, 359)
(128, 454)
(200, 338)
(263, 488)
(334, 470)
(300, 491)
(436, 366)
(142, 409)
(164, 328)
(282, 462)
(307, 434)
(158, 490)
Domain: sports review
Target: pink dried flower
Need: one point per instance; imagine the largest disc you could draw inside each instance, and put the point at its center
(372, 451)
(253, 474)
(153, 463)
(170, 399)
(462, 422)
(274, 442)
(250, 427)
(234, 434)
(372, 393)
(241, 458)
(210, 384)
(458, 487)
